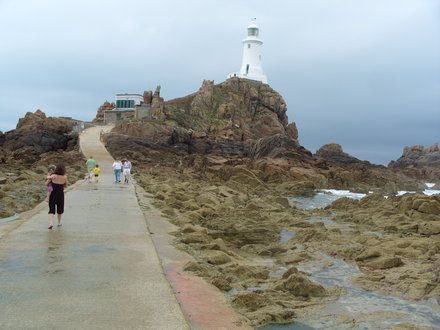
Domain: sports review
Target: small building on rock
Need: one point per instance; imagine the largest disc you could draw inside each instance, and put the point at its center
(137, 106)
(125, 106)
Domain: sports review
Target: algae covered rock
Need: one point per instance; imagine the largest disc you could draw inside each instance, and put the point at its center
(250, 301)
(299, 285)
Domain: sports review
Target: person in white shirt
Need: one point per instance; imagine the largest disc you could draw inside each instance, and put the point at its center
(127, 170)
(117, 167)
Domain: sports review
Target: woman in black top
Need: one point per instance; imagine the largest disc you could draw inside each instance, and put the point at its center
(56, 199)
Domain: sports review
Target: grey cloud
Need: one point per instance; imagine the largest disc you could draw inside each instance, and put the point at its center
(365, 74)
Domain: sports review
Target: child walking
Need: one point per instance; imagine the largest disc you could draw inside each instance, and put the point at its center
(49, 187)
(96, 172)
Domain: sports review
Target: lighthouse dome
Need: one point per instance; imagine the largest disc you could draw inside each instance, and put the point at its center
(253, 29)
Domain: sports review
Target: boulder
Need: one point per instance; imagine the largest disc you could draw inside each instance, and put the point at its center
(221, 282)
(368, 254)
(430, 207)
(215, 257)
(250, 301)
(386, 263)
(429, 228)
(299, 285)
(194, 237)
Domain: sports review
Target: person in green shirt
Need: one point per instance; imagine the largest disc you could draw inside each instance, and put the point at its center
(90, 163)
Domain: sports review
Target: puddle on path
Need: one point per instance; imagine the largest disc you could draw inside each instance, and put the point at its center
(359, 308)
(98, 249)
(11, 218)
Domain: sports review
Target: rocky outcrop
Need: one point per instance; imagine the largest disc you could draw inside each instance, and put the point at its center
(236, 109)
(419, 162)
(244, 122)
(36, 134)
(25, 153)
(155, 103)
(230, 119)
(333, 152)
(99, 119)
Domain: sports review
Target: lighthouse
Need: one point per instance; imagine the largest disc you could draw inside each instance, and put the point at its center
(251, 67)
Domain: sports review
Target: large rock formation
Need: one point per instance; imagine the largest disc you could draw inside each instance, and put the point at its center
(333, 152)
(419, 162)
(99, 119)
(25, 153)
(243, 123)
(36, 134)
(229, 118)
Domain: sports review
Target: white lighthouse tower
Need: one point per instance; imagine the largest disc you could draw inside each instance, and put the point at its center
(251, 67)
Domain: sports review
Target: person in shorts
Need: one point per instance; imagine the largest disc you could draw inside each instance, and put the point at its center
(90, 163)
(127, 171)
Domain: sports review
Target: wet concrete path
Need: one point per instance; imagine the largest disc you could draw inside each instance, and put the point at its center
(99, 270)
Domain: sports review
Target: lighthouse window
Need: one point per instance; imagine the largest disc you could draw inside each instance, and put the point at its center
(253, 32)
(249, 45)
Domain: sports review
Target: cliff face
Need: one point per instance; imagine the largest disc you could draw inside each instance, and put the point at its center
(419, 162)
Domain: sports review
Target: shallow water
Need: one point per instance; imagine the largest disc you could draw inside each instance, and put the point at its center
(325, 220)
(322, 198)
(325, 197)
(318, 201)
(286, 235)
(359, 308)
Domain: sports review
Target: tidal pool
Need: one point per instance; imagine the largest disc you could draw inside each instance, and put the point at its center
(325, 220)
(359, 308)
(286, 235)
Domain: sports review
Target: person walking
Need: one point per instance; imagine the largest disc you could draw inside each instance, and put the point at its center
(90, 163)
(58, 180)
(127, 170)
(96, 172)
(117, 167)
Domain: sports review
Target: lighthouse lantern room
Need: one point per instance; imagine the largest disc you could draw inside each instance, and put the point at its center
(251, 67)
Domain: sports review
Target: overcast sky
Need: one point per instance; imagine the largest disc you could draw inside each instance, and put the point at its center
(365, 74)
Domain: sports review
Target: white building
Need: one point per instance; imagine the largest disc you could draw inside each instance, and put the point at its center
(251, 67)
(128, 101)
(125, 108)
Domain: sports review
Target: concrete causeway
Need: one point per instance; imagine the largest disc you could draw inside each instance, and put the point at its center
(100, 270)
